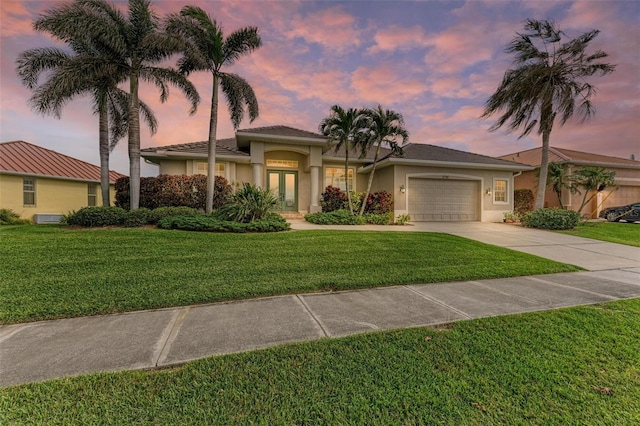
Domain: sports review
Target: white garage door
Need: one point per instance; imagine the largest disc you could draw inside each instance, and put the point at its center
(443, 200)
(625, 194)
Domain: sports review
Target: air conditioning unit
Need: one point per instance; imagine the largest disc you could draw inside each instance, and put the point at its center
(42, 218)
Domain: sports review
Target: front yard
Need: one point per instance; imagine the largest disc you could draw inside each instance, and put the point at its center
(621, 233)
(571, 366)
(51, 272)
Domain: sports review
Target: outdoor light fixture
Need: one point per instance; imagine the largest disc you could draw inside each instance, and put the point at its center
(488, 192)
(403, 189)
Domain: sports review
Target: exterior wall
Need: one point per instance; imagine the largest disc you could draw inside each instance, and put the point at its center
(57, 196)
(174, 167)
(490, 211)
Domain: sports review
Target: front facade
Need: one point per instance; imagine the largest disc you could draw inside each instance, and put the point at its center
(42, 185)
(627, 178)
(430, 183)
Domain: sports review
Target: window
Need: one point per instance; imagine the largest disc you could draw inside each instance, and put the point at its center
(286, 164)
(334, 176)
(500, 191)
(92, 193)
(29, 191)
(221, 169)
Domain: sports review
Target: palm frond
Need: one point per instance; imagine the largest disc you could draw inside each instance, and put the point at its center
(239, 94)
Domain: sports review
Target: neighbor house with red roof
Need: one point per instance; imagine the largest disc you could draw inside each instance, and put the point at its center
(41, 185)
(627, 176)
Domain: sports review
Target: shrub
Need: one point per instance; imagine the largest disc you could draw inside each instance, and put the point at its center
(333, 199)
(403, 219)
(379, 203)
(174, 191)
(248, 204)
(522, 201)
(162, 212)
(137, 217)
(378, 219)
(337, 217)
(9, 217)
(96, 216)
(203, 223)
(551, 218)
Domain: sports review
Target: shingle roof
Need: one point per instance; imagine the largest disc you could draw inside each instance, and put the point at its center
(418, 151)
(283, 131)
(532, 157)
(223, 147)
(27, 158)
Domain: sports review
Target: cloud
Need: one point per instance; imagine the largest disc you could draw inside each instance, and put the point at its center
(332, 28)
(386, 85)
(396, 38)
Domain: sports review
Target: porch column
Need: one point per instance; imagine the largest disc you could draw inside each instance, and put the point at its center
(315, 189)
(257, 174)
(257, 160)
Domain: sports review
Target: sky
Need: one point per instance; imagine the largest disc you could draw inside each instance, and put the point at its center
(435, 62)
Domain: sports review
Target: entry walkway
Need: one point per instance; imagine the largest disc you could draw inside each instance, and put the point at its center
(147, 339)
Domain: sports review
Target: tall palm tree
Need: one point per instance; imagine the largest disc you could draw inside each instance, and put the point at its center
(208, 50)
(345, 129)
(135, 47)
(68, 77)
(547, 81)
(382, 126)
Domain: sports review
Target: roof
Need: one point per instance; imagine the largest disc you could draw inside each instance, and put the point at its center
(532, 157)
(224, 147)
(26, 158)
(426, 152)
(283, 131)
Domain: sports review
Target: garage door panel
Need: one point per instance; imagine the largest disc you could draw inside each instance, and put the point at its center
(440, 200)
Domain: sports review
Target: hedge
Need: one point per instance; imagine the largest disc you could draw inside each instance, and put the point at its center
(551, 218)
(271, 223)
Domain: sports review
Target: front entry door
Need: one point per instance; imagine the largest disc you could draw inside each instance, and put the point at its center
(284, 185)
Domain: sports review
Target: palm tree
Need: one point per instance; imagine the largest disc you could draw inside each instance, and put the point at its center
(558, 180)
(592, 180)
(547, 80)
(68, 77)
(135, 47)
(208, 50)
(345, 129)
(382, 126)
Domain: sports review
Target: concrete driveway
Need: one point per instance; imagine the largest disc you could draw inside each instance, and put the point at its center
(592, 255)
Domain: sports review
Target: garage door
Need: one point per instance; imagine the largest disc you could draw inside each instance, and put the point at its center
(443, 200)
(625, 194)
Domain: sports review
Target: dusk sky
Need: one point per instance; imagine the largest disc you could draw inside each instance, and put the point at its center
(434, 62)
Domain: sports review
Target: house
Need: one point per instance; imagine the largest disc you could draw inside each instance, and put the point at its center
(430, 183)
(627, 178)
(42, 185)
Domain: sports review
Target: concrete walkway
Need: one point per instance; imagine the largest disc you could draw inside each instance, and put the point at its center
(147, 339)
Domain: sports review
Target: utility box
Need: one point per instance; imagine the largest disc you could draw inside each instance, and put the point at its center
(43, 218)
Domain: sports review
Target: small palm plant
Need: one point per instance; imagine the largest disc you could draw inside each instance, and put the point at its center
(249, 203)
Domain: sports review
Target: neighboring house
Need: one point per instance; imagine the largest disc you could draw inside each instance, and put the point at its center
(42, 185)
(627, 178)
(429, 182)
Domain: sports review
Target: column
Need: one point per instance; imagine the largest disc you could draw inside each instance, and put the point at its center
(315, 189)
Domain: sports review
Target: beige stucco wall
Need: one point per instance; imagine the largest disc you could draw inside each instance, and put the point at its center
(174, 167)
(52, 195)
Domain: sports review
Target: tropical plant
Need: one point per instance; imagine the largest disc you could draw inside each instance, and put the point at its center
(344, 129)
(136, 48)
(558, 180)
(208, 50)
(249, 203)
(383, 126)
(547, 81)
(592, 180)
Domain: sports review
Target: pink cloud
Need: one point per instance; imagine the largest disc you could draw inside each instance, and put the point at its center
(398, 38)
(385, 85)
(332, 28)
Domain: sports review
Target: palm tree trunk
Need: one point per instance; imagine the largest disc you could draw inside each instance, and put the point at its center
(104, 154)
(544, 167)
(211, 147)
(134, 143)
(373, 170)
(346, 175)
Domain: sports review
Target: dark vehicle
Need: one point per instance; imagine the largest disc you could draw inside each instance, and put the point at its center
(629, 213)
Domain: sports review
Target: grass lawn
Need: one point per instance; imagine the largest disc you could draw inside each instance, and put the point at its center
(572, 366)
(52, 272)
(613, 232)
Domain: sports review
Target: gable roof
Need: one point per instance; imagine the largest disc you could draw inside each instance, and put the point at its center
(20, 157)
(532, 157)
(283, 131)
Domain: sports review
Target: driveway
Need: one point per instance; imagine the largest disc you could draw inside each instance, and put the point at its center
(592, 255)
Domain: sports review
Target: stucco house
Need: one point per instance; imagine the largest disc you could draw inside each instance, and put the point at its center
(627, 178)
(428, 182)
(41, 185)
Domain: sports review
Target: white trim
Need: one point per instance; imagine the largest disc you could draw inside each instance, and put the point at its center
(450, 164)
(506, 192)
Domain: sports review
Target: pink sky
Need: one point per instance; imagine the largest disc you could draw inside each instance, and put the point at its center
(434, 62)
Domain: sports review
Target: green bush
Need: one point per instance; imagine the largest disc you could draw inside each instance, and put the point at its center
(9, 217)
(403, 219)
(270, 223)
(248, 204)
(162, 212)
(551, 218)
(522, 201)
(333, 199)
(379, 219)
(337, 217)
(96, 216)
(137, 217)
(174, 191)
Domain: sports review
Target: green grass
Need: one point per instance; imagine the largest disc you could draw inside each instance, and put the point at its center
(621, 233)
(51, 272)
(576, 366)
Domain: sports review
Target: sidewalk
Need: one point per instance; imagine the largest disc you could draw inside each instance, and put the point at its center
(147, 339)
